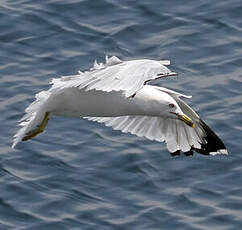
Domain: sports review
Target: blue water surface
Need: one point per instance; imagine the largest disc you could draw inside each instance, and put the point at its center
(82, 175)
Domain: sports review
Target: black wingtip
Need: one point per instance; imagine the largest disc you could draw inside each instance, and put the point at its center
(214, 144)
(176, 153)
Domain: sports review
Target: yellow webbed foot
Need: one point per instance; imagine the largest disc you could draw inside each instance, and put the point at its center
(39, 129)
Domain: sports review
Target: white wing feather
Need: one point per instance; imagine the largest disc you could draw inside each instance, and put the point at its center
(116, 75)
(176, 134)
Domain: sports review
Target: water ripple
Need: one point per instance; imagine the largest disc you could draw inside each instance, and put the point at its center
(82, 175)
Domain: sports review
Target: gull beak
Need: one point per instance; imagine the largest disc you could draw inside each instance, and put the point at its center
(186, 119)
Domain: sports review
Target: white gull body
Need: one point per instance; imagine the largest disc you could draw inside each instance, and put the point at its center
(116, 94)
(148, 101)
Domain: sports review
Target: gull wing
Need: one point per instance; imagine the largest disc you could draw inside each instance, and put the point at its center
(176, 134)
(117, 75)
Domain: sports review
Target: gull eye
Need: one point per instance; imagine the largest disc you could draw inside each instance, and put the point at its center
(171, 105)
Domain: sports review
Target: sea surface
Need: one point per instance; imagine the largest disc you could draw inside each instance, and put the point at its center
(83, 175)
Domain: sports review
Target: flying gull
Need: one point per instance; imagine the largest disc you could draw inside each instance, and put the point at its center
(116, 93)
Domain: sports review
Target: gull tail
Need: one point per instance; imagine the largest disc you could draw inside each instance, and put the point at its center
(35, 119)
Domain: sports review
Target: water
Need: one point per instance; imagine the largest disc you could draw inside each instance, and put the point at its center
(82, 175)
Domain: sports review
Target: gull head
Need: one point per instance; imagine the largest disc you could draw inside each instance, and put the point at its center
(176, 113)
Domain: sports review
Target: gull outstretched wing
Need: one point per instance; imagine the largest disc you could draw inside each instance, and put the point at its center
(117, 75)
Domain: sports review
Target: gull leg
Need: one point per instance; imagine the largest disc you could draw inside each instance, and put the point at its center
(39, 129)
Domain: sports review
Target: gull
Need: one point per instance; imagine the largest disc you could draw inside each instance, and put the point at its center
(116, 93)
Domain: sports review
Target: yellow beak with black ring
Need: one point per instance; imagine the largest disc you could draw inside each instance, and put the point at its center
(186, 119)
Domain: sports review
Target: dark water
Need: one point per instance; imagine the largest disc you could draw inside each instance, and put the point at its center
(82, 175)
